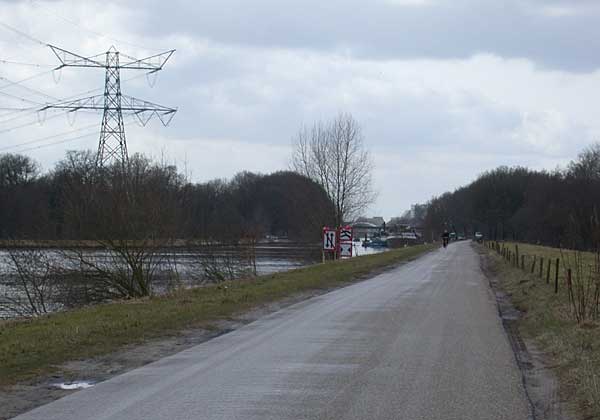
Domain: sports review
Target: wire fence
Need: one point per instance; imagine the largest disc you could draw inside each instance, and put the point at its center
(573, 273)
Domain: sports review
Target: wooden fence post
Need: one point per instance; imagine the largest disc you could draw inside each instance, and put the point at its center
(533, 264)
(541, 267)
(522, 262)
(517, 255)
(556, 276)
(548, 271)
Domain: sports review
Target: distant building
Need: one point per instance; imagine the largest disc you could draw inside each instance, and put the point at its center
(377, 221)
(367, 226)
(397, 225)
(364, 229)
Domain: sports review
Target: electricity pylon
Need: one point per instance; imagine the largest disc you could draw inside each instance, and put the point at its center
(112, 145)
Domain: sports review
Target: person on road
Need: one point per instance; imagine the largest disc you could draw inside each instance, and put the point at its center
(445, 238)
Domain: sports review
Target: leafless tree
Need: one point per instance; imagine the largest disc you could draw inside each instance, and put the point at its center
(214, 263)
(30, 280)
(333, 155)
(130, 217)
(17, 170)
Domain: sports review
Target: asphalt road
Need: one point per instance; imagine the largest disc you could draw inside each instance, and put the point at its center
(423, 341)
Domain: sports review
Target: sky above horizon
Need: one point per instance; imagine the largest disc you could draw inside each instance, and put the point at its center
(443, 89)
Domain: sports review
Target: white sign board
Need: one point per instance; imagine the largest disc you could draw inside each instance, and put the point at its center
(346, 249)
(329, 239)
(346, 234)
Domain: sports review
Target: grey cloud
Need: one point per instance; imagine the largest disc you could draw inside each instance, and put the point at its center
(382, 30)
(248, 74)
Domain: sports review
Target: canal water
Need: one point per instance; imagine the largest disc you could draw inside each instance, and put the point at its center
(187, 263)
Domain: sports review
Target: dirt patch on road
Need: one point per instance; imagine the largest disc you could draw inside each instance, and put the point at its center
(540, 383)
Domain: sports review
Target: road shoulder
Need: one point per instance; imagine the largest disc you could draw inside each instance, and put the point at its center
(540, 382)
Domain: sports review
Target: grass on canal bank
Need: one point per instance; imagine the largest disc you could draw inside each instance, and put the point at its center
(571, 350)
(30, 348)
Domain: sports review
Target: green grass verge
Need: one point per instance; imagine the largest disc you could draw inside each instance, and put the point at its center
(572, 350)
(35, 347)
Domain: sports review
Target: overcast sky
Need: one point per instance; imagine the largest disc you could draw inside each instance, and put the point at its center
(443, 89)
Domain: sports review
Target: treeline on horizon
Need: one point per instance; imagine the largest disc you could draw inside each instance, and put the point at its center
(556, 208)
(76, 201)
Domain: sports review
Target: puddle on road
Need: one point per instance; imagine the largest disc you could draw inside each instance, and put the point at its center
(74, 385)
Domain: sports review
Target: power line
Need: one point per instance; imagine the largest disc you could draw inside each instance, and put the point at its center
(18, 63)
(48, 11)
(58, 99)
(40, 120)
(56, 142)
(112, 144)
(23, 34)
(33, 110)
(19, 98)
(26, 143)
(7, 130)
(12, 109)
(66, 133)
(22, 113)
(94, 133)
(18, 82)
(20, 85)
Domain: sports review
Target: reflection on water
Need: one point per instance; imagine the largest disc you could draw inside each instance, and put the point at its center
(359, 250)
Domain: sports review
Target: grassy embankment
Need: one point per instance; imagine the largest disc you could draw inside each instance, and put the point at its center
(36, 347)
(573, 349)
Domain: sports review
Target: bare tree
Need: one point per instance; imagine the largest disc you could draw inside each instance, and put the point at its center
(216, 263)
(30, 282)
(333, 155)
(17, 170)
(131, 217)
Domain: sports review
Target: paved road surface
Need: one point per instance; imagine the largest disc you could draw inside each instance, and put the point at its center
(422, 341)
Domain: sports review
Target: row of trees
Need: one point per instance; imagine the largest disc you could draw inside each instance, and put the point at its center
(330, 184)
(134, 218)
(137, 213)
(153, 200)
(561, 207)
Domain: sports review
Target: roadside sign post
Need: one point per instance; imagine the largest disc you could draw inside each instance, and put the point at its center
(345, 250)
(338, 242)
(345, 242)
(329, 241)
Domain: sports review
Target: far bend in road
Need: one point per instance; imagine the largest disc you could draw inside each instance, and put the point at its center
(422, 341)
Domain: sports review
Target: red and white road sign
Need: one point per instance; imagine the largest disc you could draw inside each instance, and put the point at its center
(345, 238)
(346, 234)
(329, 239)
(346, 250)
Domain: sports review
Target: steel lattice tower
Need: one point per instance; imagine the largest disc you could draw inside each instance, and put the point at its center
(113, 145)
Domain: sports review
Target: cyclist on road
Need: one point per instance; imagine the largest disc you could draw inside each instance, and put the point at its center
(445, 238)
